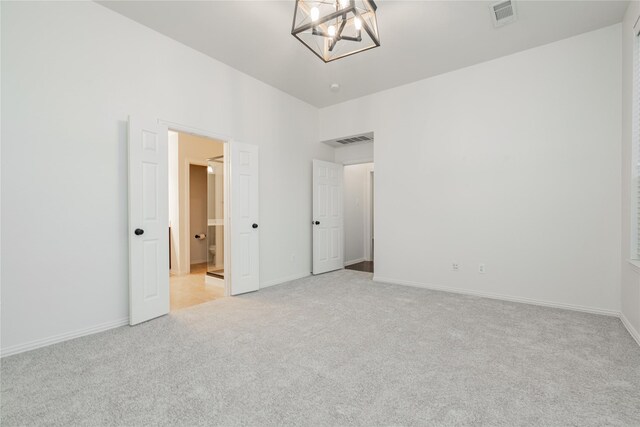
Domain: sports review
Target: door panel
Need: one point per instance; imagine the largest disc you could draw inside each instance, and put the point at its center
(148, 220)
(328, 217)
(245, 236)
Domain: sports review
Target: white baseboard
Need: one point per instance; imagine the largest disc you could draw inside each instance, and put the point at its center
(632, 331)
(502, 297)
(353, 261)
(284, 280)
(21, 348)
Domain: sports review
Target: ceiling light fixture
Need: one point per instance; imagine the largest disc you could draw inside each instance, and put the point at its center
(333, 29)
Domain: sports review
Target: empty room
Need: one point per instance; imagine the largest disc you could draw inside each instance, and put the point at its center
(320, 213)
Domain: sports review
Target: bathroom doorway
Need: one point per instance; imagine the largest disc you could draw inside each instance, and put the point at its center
(196, 219)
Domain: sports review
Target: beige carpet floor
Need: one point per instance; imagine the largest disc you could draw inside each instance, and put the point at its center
(336, 349)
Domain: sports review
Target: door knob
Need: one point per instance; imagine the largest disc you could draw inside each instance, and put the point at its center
(139, 232)
(254, 226)
(317, 223)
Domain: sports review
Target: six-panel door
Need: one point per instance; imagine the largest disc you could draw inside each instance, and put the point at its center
(148, 220)
(245, 231)
(328, 217)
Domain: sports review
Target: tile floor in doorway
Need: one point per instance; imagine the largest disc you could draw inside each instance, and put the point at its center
(190, 289)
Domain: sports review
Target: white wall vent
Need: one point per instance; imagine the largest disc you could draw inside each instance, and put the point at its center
(362, 138)
(353, 139)
(503, 13)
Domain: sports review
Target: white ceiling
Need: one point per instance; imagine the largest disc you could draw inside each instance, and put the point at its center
(419, 39)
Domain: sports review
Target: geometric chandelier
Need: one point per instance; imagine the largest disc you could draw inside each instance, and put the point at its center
(333, 29)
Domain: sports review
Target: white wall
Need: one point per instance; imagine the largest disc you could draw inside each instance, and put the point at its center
(352, 154)
(514, 163)
(356, 212)
(630, 291)
(72, 73)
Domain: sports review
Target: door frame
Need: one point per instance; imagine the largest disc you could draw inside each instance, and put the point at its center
(226, 140)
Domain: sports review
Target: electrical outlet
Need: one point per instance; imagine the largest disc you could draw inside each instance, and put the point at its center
(481, 268)
(455, 266)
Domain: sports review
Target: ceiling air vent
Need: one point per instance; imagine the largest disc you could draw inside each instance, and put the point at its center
(363, 138)
(353, 139)
(503, 13)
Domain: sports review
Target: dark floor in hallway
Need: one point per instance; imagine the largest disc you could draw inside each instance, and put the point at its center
(366, 266)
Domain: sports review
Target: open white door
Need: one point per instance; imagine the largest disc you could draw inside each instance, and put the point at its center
(328, 217)
(245, 236)
(148, 220)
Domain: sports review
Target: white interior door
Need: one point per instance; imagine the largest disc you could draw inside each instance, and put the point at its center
(148, 220)
(245, 235)
(328, 217)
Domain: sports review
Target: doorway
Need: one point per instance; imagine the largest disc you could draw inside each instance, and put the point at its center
(158, 245)
(358, 217)
(196, 219)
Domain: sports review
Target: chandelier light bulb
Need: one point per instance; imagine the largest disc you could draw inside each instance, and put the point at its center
(315, 14)
(332, 30)
(344, 3)
(358, 23)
